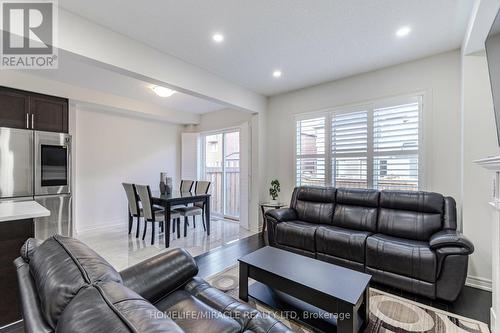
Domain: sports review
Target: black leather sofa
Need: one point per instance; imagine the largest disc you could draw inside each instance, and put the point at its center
(67, 288)
(407, 240)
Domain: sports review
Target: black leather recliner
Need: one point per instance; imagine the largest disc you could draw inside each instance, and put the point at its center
(407, 240)
(67, 287)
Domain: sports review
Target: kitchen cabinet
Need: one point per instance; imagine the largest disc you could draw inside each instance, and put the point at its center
(28, 110)
(49, 113)
(14, 108)
(13, 234)
(16, 226)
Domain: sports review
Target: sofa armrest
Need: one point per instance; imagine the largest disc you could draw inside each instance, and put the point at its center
(34, 321)
(453, 240)
(156, 277)
(282, 214)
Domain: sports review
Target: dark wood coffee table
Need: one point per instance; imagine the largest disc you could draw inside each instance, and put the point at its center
(324, 296)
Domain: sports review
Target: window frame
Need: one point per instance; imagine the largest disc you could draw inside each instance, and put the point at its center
(368, 106)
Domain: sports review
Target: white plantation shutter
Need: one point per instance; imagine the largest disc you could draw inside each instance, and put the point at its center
(396, 143)
(350, 149)
(376, 146)
(311, 159)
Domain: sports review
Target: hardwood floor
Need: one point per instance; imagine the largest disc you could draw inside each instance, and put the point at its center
(218, 259)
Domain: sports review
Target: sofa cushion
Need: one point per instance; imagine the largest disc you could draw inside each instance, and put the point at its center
(60, 267)
(413, 215)
(111, 307)
(192, 315)
(314, 204)
(29, 247)
(356, 209)
(297, 234)
(406, 257)
(343, 243)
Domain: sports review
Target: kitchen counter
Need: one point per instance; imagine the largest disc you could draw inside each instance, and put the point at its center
(20, 210)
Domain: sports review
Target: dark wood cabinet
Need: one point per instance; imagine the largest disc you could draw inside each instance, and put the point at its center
(14, 108)
(49, 113)
(28, 110)
(13, 234)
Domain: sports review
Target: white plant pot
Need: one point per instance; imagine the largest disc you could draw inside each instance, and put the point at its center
(273, 202)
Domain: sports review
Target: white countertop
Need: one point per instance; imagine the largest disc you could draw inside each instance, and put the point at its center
(19, 210)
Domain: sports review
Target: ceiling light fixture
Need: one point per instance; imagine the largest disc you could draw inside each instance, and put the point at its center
(163, 92)
(403, 31)
(218, 38)
(277, 74)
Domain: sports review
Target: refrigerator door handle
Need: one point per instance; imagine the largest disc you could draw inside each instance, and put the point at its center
(27, 120)
(32, 121)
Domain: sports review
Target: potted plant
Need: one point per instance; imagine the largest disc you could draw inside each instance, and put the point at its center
(274, 190)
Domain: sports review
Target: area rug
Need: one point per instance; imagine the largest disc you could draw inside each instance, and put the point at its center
(388, 313)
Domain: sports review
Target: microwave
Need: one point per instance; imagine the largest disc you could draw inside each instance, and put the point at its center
(52, 165)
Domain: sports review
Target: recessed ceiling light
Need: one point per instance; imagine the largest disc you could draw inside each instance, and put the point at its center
(403, 31)
(218, 38)
(163, 92)
(277, 74)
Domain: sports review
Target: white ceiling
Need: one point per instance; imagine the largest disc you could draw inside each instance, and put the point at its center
(311, 41)
(73, 70)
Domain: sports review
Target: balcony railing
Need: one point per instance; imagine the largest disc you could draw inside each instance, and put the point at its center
(214, 175)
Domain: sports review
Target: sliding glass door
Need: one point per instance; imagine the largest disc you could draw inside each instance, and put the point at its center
(221, 166)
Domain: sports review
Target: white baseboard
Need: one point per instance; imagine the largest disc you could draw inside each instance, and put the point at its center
(479, 283)
(119, 223)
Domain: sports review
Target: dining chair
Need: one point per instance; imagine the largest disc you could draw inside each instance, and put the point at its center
(153, 214)
(186, 185)
(198, 208)
(133, 207)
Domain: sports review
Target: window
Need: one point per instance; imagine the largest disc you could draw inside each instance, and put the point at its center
(311, 152)
(350, 149)
(373, 146)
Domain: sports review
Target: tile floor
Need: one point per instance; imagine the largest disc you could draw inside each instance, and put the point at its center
(123, 250)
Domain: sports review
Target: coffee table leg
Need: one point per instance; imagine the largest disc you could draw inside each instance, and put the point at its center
(349, 323)
(243, 293)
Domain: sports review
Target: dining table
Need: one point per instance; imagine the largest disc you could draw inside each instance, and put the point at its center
(174, 198)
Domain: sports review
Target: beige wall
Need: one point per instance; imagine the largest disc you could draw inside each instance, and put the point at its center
(112, 148)
(479, 141)
(438, 77)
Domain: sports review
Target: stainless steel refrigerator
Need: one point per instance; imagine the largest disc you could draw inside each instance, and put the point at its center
(36, 165)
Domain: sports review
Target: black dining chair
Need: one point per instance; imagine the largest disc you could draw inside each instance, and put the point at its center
(198, 208)
(153, 214)
(133, 207)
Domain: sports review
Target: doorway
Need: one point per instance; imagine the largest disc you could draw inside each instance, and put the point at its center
(221, 166)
